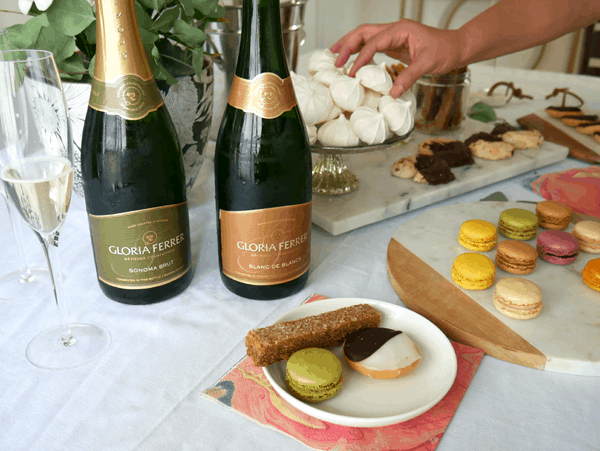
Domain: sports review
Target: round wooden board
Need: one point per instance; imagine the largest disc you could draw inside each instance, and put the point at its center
(563, 338)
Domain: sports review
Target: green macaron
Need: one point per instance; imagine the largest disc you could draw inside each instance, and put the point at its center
(518, 224)
(314, 374)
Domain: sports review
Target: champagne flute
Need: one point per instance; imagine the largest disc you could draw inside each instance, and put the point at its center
(36, 170)
(27, 282)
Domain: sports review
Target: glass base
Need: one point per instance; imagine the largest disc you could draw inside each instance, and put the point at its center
(330, 176)
(15, 287)
(56, 349)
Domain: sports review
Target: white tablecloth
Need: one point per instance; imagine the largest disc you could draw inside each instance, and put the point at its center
(145, 392)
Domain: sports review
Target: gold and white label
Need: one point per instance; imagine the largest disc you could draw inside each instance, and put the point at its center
(266, 95)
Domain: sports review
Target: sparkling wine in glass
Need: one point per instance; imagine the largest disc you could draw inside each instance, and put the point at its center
(36, 170)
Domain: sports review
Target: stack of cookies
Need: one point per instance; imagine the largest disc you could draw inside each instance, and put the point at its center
(588, 124)
(437, 155)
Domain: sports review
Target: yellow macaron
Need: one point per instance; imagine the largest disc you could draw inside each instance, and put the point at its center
(473, 271)
(478, 235)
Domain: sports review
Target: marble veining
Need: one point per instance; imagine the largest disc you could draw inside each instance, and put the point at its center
(568, 329)
(382, 196)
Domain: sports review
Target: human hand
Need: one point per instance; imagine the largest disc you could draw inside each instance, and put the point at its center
(425, 50)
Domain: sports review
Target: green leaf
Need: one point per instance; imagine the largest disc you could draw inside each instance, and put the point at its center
(482, 112)
(188, 34)
(152, 4)
(188, 7)
(90, 33)
(144, 20)
(205, 6)
(70, 16)
(158, 70)
(166, 20)
(23, 36)
(72, 68)
(198, 60)
(148, 39)
(55, 41)
(92, 66)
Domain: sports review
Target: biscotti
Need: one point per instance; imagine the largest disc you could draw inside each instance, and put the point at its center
(278, 342)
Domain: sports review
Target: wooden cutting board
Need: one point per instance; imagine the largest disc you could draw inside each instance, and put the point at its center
(582, 147)
(563, 338)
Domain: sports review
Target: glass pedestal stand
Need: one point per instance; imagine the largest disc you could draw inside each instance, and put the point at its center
(331, 177)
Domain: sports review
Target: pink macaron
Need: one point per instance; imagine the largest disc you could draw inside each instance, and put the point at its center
(557, 247)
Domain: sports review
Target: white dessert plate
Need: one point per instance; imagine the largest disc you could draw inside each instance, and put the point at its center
(366, 402)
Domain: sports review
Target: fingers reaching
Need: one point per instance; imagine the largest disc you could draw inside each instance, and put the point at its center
(353, 42)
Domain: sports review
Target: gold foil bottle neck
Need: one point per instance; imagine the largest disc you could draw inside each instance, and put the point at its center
(266, 95)
(119, 50)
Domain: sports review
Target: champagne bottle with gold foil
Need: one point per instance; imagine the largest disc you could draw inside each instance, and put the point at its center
(132, 169)
(263, 168)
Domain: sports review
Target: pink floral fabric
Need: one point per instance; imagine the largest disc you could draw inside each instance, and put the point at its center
(578, 188)
(246, 390)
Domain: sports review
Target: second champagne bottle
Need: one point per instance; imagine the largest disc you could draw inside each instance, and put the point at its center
(263, 168)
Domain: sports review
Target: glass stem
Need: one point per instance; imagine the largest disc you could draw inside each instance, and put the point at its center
(26, 275)
(50, 245)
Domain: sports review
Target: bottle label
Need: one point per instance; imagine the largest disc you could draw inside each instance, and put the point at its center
(141, 249)
(129, 97)
(266, 95)
(266, 247)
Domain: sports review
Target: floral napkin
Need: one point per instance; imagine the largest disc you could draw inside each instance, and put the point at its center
(245, 389)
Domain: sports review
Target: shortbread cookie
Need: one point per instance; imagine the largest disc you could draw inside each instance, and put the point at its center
(278, 342)
(492, 150)
(524, 139)
(575, 121)
(419, 178)
(455, 153)
(560, 111)
(435, 170)
(589, 129)
(502, 128)
(404, 168)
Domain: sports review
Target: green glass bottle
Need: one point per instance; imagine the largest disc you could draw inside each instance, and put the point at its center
(263, 168)
(132, 169)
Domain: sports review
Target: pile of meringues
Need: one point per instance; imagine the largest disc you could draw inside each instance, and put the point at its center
(343, 111)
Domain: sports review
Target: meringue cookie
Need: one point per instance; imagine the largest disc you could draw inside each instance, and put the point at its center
(314, 101)
(311, 130)
(338, 133)
(297, 80)
(397, 114)
(375, 77)
(334, 113)
(409, 96)
(347, 93)
(321, 59)
(326, 76)
(369, 125)
(372, 99)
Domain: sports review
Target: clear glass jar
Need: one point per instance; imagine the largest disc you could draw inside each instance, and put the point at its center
(442, 101)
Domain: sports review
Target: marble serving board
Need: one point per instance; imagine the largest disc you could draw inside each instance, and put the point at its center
(563, 338)
(381, 196)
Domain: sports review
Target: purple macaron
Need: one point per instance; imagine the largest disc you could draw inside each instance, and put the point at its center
(557, 247)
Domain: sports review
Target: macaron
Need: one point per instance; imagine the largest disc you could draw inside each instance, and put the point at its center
(591, 274)
(518, 224)
(516, 257)
(473, 271)
(314, 374)
(478, 235)
(553, 215)
(518, 298)
(588, 234)
(381, 353)
(557, 247)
